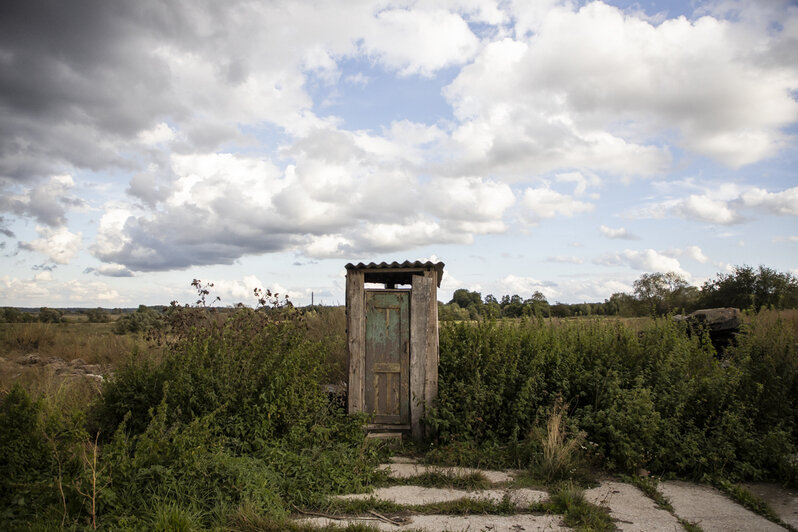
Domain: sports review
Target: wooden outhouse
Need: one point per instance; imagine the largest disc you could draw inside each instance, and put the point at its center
(392, 336)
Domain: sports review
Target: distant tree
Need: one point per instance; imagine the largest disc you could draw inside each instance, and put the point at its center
(491, 309)
(660, 293)
(512, 306)
(744, 287)
(561, 310)
(14, 315)
(141, 320)
(97, 315)
(537, 305)
(465, 298)
(50, 315)
(452, 312)
(621, 304)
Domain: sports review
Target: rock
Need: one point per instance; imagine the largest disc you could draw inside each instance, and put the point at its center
(717, 319)
(77, 362)
(722, 324)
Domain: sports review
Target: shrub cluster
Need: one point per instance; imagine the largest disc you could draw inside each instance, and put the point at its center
(142, 320)
(658, 399)
(232, 420)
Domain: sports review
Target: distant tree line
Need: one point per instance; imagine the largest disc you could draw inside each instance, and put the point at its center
(45, 315)
(50, 315)
(657, 293)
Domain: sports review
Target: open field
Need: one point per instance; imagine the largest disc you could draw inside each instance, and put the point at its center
(222, 421)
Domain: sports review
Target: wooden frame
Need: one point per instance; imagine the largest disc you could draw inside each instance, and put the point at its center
(424, 279)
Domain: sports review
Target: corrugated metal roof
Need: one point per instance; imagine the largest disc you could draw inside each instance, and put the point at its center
(384, 269)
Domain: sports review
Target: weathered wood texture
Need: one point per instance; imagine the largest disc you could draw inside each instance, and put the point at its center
(419, 317)
(356, 339)
(372, 382)
(431, 355)
(387, 356)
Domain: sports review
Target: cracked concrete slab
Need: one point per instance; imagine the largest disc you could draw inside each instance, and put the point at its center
(783, 501)
(445, 523)
(407, 469)
(421, 495)
(711, 510)
(631, 508)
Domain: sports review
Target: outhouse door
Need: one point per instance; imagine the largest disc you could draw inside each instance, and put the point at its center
(387, 372)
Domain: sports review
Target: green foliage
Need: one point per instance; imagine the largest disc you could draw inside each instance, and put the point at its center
(24, 462)
(234, 416)
(230, 421)
(569, 500)
(747, 288)
(14, 315)
(40, 441)
(97, 315)
(51, 315)
(143, 319)
(444, 479)
(560, 455)
(658, 399)
(662, 293)
(655, 293)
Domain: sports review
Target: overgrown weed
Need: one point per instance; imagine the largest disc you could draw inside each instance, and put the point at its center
(560, 457)
(569, 500)
(444, 479)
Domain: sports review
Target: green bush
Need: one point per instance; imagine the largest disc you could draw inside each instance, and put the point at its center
(234, 416)
(142, 320)
(40, 442)
(51, 315)
(230, 423)
(658, 399)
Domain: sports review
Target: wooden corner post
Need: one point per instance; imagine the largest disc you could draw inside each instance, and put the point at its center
(356, 339)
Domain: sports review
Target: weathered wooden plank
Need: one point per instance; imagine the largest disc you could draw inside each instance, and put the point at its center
(431, 350)
(356, 339)
(419, 316)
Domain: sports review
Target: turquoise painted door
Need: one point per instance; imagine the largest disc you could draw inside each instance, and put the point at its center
(388, 356)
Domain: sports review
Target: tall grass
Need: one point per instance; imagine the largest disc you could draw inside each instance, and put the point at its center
(94, 343)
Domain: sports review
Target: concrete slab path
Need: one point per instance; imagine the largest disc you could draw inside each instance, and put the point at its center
(711, 510)
(407, 470)
(631, 508)
(449, 523)
(420, 495)
(783, 501)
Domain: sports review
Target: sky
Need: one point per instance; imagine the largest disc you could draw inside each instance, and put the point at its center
(566, 147)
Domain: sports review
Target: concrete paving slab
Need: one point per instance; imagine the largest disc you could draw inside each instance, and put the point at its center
(711, 510)
(442, 523)
(632, 510)
(783, 501)
(420, 495)
(403, 460)
(410, 469)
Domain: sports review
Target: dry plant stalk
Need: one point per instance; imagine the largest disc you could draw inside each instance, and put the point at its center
(91, 463)
(558, 452)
